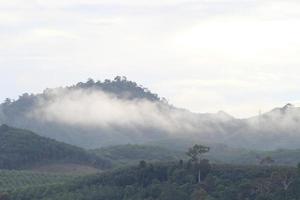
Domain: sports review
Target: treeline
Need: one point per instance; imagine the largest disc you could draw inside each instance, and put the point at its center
(119, 86)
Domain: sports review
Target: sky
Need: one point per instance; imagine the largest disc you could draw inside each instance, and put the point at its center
(239, 56)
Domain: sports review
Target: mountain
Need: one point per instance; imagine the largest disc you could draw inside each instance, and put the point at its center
(98, 114)
(279, 128)
(22, 149)
(102, 113)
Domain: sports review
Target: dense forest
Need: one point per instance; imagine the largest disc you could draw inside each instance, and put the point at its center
(172, 181)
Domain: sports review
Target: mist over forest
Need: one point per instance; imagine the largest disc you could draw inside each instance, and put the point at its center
(95, 114)
(209, 110)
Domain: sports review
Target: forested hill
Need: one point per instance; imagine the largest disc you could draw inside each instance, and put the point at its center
(97, 100)
(21, 149)
(119, 86)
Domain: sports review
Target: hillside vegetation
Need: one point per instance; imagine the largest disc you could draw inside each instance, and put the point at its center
(22, 149)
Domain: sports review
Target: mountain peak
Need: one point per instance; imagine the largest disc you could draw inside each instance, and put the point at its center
(283, 109)
(288, 106)
(121, 87)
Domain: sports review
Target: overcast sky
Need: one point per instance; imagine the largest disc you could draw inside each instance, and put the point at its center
(240, 56)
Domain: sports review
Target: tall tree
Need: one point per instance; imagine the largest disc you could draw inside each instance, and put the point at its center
(195, 153)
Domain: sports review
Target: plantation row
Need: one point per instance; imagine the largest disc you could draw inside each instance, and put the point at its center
(13, 179)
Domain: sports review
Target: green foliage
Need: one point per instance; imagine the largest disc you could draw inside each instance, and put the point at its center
(21, 149)
(196, 152)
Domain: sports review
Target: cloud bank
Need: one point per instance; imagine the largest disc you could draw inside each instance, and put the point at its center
(94, 108)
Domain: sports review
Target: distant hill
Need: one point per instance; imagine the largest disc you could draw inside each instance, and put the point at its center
(280, 157)
(276, 129)
(97, 114)
(132, 154)
(28, 112)
(20, 149)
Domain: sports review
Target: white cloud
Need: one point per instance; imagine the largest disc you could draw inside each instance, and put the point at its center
(98, 109)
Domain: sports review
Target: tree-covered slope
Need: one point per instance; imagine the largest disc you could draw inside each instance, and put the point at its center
(21, 149)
